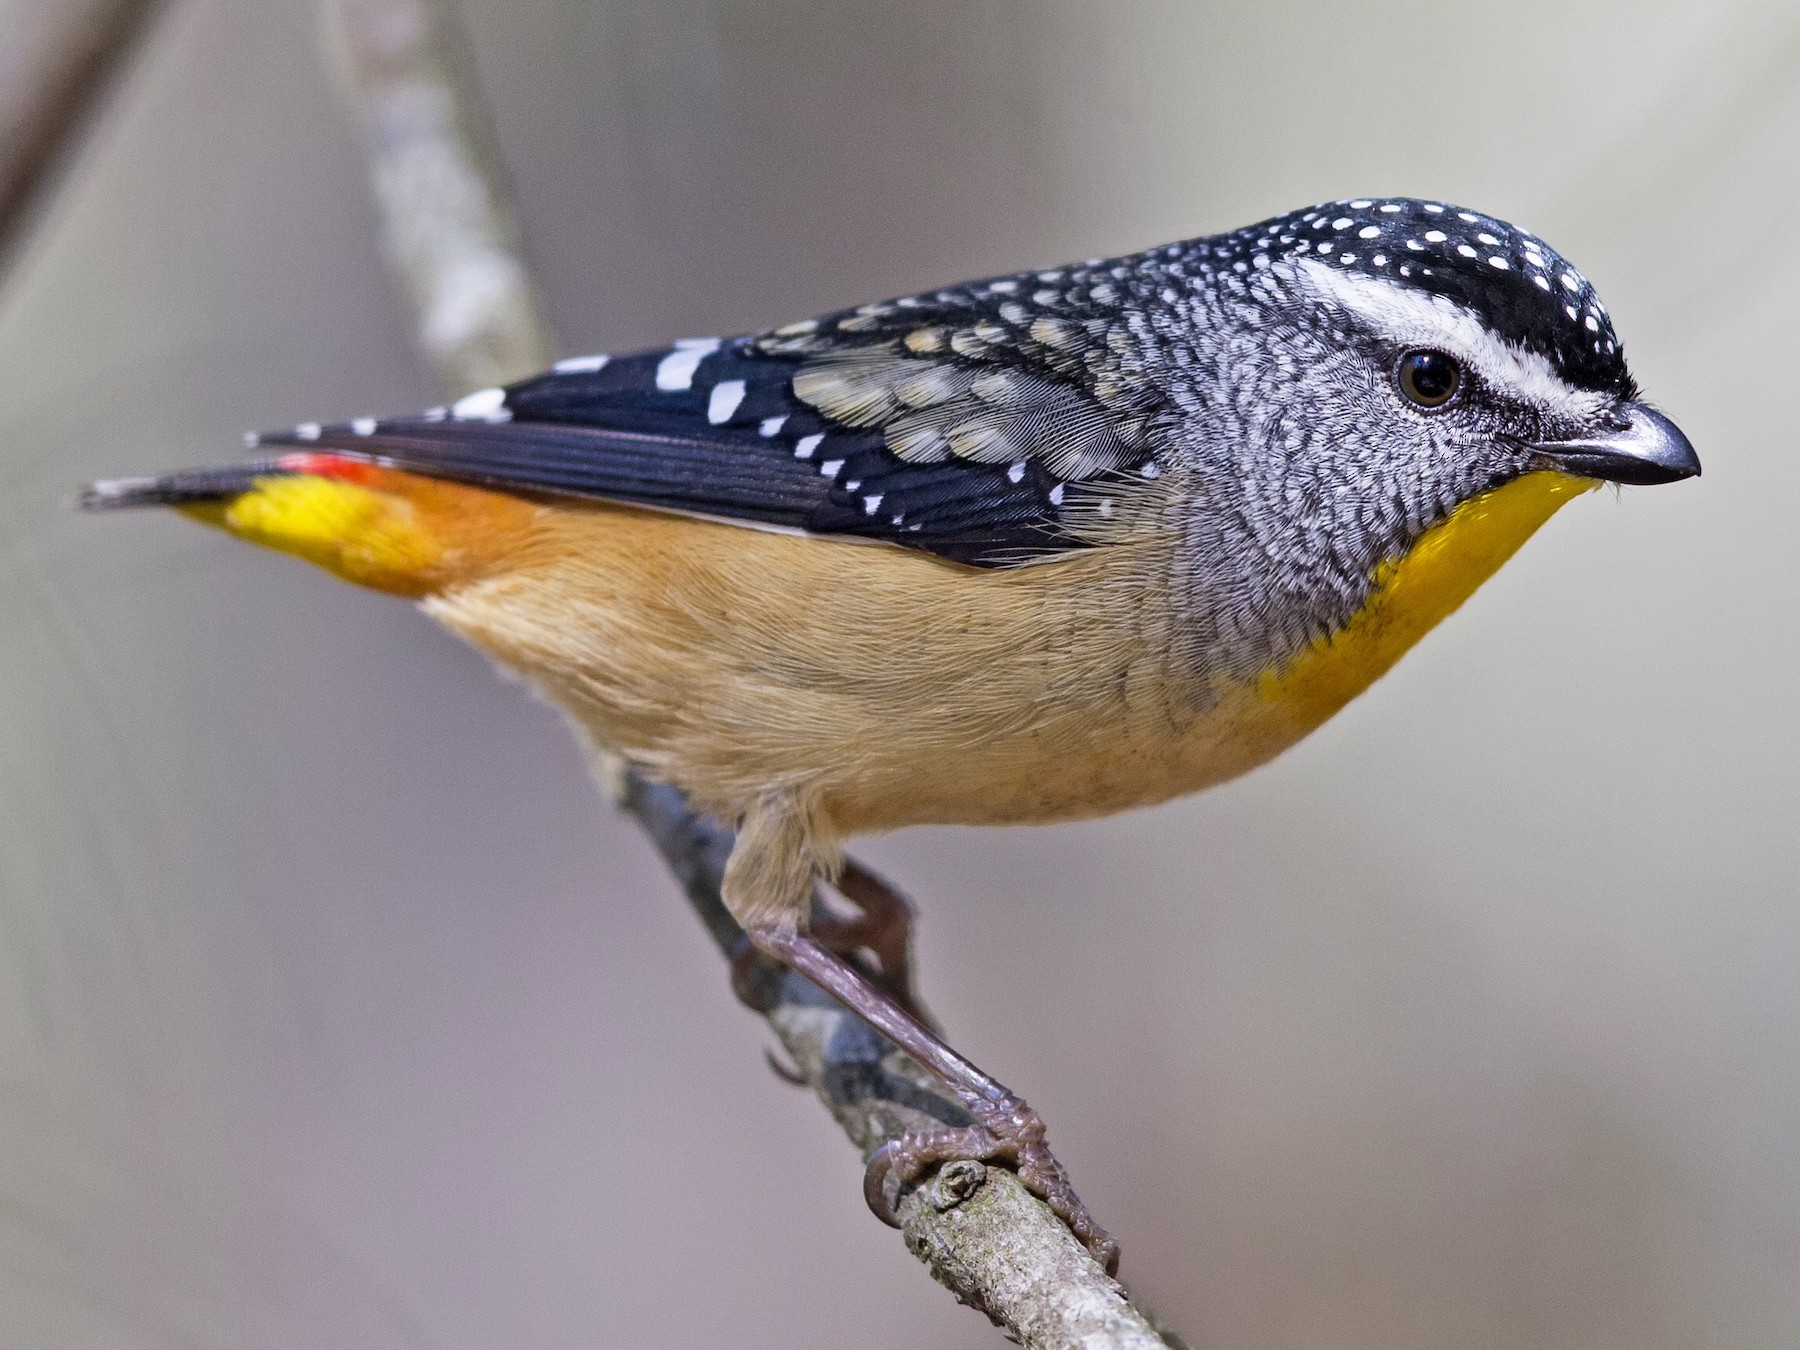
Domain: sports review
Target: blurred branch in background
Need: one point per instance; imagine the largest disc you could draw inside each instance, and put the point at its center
(454, 240)
(446, 212)
(56, 56)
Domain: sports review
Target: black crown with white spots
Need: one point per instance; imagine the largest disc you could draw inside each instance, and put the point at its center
(1523, 290)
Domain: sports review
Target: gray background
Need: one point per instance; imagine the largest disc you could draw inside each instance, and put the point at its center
(337, 1010)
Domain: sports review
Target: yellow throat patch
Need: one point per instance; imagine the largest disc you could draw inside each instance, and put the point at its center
(1414, 593)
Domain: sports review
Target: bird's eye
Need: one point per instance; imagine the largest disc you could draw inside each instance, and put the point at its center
(1430, 379)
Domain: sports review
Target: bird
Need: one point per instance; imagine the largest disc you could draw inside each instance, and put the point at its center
(1030, 549)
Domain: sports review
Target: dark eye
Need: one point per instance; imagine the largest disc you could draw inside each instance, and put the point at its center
(1430, 379)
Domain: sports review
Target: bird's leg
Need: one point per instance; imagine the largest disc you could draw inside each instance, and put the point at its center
(1005, 1129)
(883, 930)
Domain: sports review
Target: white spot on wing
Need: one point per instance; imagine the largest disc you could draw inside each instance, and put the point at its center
(803, 449)
(307, 431)
(769, 426)
(484, 405)
(363, 426)
(726, 395)
(675, 371)
(581, 365)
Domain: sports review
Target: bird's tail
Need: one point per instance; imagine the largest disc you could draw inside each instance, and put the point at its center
(357, 518)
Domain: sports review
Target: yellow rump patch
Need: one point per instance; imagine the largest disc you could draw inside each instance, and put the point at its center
(359, 533)
(376, 526)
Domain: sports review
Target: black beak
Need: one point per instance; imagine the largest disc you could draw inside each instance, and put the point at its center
(1645, 447)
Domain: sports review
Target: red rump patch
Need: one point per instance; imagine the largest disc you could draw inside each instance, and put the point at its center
(323, 465)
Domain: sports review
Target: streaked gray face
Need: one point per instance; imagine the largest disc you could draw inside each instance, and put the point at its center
(1312, 464)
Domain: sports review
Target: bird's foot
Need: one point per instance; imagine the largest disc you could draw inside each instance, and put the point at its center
(1008, 1132)
(1003, 1128)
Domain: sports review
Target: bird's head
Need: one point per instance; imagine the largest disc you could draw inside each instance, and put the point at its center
(1428, 351)
(1369, 366)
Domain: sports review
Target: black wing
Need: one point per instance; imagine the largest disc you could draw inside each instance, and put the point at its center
(979, 424)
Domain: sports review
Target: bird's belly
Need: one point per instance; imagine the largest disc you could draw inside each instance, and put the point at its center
(895, 689)
(1120, 759)
(890, 686)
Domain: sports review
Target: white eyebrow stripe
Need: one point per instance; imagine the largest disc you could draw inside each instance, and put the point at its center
(1420, 318)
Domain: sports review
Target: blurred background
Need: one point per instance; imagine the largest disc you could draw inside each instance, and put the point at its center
(338, 1009)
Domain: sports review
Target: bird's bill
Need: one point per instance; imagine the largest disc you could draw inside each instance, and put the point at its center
(1648, 448)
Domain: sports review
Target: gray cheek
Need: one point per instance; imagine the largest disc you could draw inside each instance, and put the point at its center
(1314, 475)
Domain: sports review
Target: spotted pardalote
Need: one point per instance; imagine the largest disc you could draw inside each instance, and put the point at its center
(1027, 549)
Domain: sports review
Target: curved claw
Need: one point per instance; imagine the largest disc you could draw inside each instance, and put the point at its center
(787, 1073)
(875, 1176)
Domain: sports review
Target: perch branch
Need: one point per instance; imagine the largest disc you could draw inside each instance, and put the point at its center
(982, 1234)
(56, 56)
(452, 237)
